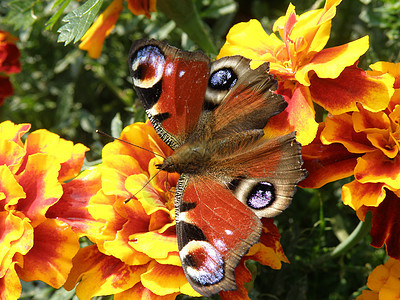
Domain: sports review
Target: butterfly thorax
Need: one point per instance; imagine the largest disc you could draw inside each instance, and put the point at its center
(190, 158)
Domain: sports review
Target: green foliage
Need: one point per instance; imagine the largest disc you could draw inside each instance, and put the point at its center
(63, 90)
(78, 21)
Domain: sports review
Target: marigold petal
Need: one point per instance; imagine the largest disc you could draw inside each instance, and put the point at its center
(50, 258)
(10, 190)
(368, 295)
(73, 206)
(73, 165)
(326, 163)
(44, 141)
(43, 191)
(354, 86)
(143, 135)
(166, 279)
(172, 259)
(16, 236)
(140, 292)
(94, 38)
(298, 116)
(12, 155)
(330, 62)
(250, 40)
(150, 198)
(374, 167)
(339, 129)
(142, 7)
(154, 244)
(385, 229)
(13, 132)
(121, 248)
(10, 286)
(115, 170)
(100, 274)
(378, 278)
(356, 194)
(119, 242)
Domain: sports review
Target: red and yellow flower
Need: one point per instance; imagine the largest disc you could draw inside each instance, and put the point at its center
(364, 144)
(34, 246)
(9, 63)
(383, 282)
(307, 72)
(135, 252)
(94, 38)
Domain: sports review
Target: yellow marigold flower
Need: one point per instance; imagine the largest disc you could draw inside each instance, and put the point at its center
(383, 282)
(307, 72)
(33, 245)
(135, 255)
(367, 145)
(94, 38)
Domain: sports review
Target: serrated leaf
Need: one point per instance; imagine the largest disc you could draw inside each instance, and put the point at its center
(78, 21)
(50, 23)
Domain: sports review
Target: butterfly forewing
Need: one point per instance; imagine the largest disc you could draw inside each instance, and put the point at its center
(171, 85)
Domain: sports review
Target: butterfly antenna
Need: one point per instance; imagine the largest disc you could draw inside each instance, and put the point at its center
(121, 140)
(148, 181)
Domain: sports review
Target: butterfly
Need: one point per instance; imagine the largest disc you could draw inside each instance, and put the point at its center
(212, 115)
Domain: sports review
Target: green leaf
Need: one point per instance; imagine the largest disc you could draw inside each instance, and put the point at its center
(50, 23)
(78, 21)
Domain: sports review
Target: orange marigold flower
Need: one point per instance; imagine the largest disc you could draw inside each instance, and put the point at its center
(307, 72)
(94, 38)
(34, 246)
(364, 144)
(135, 255)
(9, 63)
(383, 282)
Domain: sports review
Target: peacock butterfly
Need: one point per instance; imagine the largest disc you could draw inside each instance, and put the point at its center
(212, 115)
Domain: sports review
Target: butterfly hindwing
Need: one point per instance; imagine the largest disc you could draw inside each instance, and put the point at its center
(213, 235)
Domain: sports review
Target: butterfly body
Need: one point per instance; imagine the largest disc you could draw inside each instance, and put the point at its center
(212, 115)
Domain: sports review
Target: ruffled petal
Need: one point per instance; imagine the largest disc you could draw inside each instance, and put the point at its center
(12, 155)
(375, 167)
(356, 194)
(73, 207)
(250, 40)
(298, 116)
(140, 292)
(101, 274)
(43, 191)
(50, 258)
(166, 279)
(10, 286)
(10, 190)
(142, 7)
(330, 62)
(326, 163)
(13, 132)
(16, 236)
(339, 129)
(354, 86)
(385, 228)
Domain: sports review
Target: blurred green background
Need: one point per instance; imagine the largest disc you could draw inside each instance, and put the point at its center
(60, 88)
